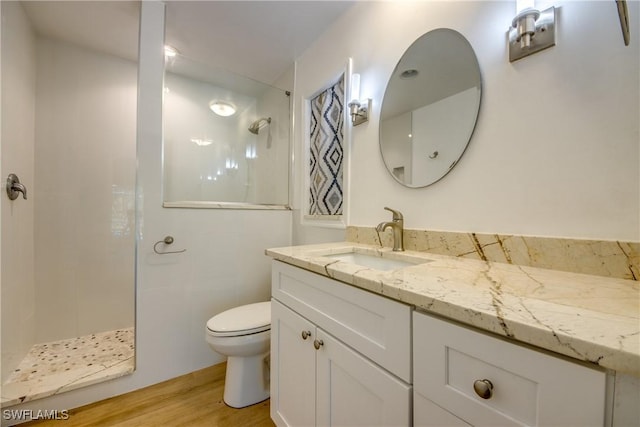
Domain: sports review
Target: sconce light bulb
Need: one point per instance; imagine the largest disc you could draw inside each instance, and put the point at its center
(525, 24)
(355, 87)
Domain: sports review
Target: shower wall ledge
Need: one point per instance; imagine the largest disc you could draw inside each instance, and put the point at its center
(223, 205)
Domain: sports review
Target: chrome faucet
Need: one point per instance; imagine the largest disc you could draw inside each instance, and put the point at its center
(397, 226)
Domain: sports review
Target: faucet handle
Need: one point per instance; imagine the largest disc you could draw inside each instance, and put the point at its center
(397, 215)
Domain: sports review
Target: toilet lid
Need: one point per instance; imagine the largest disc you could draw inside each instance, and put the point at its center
(243, 320)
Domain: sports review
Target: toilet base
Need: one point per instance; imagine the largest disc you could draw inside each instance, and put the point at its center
(246, 380)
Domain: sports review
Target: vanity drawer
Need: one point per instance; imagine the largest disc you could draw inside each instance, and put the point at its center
(377, 327)
(529, 387)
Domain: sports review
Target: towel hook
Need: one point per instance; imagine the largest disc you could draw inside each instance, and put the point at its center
(167, 241)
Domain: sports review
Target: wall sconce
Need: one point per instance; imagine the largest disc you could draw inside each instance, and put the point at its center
(358, 109)
(531, 30)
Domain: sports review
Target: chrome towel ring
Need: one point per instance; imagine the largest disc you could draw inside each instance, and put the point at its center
(167, 241)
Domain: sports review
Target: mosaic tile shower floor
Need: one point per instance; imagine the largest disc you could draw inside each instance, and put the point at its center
(64, 365)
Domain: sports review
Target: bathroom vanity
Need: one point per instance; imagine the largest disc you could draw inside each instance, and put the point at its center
(366, 336)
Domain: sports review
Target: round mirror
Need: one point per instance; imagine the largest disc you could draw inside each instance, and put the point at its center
(430, 108)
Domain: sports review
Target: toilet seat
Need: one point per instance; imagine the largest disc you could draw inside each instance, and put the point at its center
(245, 320)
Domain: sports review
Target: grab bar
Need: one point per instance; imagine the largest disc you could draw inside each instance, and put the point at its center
(167, 241)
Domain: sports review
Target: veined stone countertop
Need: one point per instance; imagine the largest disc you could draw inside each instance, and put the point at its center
(589, 318)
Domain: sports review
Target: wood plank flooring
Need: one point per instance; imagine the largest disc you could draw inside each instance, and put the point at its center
(192, 400)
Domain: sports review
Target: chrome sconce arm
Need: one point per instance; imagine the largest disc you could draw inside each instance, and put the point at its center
(359, 111)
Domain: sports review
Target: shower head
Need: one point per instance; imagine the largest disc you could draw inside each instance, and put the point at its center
(259, 124)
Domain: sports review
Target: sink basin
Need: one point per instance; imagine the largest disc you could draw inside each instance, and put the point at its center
(374, 261)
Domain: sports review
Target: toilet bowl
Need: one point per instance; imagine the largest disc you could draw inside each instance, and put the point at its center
(243, 334)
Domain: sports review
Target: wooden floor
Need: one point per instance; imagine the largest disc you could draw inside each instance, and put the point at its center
(192, 400)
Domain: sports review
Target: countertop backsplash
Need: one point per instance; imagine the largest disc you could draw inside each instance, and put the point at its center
(619, 260)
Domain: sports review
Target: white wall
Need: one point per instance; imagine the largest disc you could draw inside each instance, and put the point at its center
(85, 171)
(556, 148)
(18, 120)
(224, 265)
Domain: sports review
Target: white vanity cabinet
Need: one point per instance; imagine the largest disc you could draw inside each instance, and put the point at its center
(339, 355)
(454, 366)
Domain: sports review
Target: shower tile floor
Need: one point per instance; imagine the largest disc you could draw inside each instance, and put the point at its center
(65, 365)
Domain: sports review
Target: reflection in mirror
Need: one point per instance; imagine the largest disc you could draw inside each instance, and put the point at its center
(430, 108)
(226, 136)
(69, 89)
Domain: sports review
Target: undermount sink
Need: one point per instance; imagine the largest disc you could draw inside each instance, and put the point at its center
(375, 261)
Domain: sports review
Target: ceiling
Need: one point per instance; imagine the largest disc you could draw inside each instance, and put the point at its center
(257, 39)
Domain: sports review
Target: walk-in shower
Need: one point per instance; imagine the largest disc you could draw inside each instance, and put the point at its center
(67, 257)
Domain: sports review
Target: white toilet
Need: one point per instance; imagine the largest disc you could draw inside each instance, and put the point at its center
(243, 334)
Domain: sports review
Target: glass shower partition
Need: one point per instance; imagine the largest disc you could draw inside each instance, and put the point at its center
(236, 158)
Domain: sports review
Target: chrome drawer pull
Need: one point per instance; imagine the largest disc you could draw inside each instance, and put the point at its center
(317, 344)
(483, 388)
(306, 334)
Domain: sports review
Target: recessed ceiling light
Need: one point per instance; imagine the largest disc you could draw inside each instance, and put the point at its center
(170, 51)
(222, 108)
(409, 74)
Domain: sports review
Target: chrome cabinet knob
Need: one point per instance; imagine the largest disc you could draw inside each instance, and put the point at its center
(317, 344)
(306, 334)
(483, 388)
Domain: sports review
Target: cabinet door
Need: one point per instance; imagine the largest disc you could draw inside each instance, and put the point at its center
(353, 391)
(293, 368)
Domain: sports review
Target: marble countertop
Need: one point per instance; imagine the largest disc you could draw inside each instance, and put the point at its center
(590, 318)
